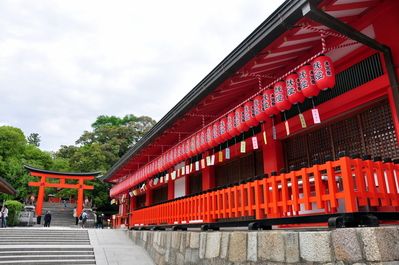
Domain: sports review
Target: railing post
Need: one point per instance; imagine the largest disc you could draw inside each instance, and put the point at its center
(258, 197)
(348, 185)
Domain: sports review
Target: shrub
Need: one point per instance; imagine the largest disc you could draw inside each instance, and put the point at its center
(14, 208)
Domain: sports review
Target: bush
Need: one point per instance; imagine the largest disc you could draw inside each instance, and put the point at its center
(14, 208)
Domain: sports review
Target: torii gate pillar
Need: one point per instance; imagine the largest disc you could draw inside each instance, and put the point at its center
(42, 184)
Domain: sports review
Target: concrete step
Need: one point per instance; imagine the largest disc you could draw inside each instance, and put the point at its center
(49, 261)
(37, 248)
(45, 243)
(28, 252)
(45, 246)
(44, 257)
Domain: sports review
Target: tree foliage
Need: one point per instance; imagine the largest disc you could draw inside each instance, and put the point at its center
(34, 139)
(113, 121)
(98, 150)
(14, 208)
(12, 142)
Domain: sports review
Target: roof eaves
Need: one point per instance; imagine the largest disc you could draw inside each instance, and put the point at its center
(8, 187)
(289, 13)
(78, 174)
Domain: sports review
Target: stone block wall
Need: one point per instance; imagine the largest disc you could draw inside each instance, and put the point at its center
(358, 246)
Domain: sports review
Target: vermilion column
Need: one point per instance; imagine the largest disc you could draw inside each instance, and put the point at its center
(171, 190)
(79, 207)
(272, 153)
(148, 197)
(208, 178)
(40, 196)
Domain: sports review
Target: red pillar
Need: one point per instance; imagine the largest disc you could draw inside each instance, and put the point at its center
(40, 196)
(187, 185)
(272, 154)
(148, 197)
(79, 206)
(171, 190)
(132, 203)
(208, 178)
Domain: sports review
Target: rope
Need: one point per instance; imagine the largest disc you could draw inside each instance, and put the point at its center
(334, 34)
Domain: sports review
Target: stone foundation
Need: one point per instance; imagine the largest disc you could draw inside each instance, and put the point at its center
(358, 246)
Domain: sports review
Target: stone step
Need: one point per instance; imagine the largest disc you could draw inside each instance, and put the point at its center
(45, 243)
(41, 231)
(47, 257)
(33, 239)
(44, 235)
(37, 248)
(49, 261)
(45, 246)
(28, 252)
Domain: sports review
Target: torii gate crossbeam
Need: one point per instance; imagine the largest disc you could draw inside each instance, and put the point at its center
(42, 184)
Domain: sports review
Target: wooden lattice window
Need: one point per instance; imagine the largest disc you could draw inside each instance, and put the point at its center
(140, 201)
(239, 169)
(160, 194)
(195, 183)
(371, 132)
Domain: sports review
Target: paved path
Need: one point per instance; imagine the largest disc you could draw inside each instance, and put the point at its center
(114, 247)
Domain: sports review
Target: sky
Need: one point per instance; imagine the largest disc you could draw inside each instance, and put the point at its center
(63, 63)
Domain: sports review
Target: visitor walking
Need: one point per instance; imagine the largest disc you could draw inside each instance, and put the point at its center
(75, 216)
(84, 218)
(65, 202)
(4, 215)
(47, 219)
(100, 221)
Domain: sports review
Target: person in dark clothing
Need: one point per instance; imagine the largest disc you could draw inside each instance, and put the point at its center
(84, 218)
(47, 219)
(100, 221)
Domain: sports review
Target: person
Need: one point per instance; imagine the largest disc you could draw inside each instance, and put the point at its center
(65, 204)
(100, 221)
(84, 218)
(47, 219)
(4, 215)
(32, 199)
(75, 215)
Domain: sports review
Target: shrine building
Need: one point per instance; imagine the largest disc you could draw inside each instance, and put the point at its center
(298, 124)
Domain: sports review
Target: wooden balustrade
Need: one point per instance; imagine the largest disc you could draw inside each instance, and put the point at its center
(346, 185)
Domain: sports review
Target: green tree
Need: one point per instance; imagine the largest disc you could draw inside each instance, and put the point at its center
(12, 142)
(110, 139)
(90, 159)
(116, 140)
(113, 121)
(34, 139)
(14, 152)
(66, 151)
(35, 157)
(14, 208)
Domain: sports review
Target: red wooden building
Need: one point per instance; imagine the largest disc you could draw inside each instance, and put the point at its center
(301, 118)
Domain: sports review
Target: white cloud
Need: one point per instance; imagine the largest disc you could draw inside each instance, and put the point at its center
(64, 63)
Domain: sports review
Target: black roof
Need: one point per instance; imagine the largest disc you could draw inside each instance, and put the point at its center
(79, 174)
(5, 187)
(289, 13)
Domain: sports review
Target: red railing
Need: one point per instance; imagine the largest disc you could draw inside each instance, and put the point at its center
(346, 185)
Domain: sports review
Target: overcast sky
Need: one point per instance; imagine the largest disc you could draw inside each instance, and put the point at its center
(65, 62)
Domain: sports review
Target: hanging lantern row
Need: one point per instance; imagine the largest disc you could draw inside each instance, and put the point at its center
(307, 82)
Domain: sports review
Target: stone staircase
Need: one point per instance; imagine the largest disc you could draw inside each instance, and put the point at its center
(45, 246)
(59, 215)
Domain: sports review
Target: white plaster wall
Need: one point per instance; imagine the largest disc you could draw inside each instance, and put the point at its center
(180, 187)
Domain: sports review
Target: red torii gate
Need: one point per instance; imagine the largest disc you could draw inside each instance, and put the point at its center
(42, 184)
